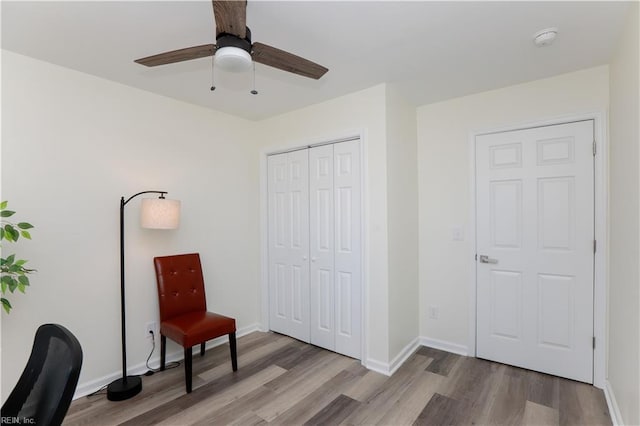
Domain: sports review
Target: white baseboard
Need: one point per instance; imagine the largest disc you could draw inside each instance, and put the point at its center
(404, 354)
(614, 410)
(86, 388)
(443, 345)
(389, 368)
(377, 366)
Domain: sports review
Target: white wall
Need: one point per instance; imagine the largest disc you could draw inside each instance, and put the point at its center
(364, 112)
(402, 206)
(444, 181)
(624, 238)
(72, 145)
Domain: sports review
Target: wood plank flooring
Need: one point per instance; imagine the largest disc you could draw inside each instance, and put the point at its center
(282, 381)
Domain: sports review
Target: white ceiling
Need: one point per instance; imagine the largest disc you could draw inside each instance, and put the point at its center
(430, 51)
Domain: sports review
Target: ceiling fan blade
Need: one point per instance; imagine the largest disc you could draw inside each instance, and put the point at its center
(231, 17)
(179, 55)
(286, 61)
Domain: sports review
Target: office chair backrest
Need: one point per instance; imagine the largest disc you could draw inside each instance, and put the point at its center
(180, 285)
(45, 389)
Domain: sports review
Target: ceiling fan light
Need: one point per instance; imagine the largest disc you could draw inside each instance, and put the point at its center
(233, 59)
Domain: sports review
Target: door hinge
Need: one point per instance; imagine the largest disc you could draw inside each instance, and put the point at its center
(594, 342)
(594, 147)
(595, 246)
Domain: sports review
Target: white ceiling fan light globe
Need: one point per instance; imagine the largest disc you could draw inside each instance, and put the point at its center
(233, 59)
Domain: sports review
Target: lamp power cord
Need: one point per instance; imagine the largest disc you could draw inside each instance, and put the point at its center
(150, 370)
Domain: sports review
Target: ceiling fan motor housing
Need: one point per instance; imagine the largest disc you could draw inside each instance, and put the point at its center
(230, 40)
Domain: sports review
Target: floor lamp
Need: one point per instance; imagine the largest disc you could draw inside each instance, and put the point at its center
(157, 213)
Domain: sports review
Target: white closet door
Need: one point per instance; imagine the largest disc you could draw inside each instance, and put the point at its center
(347, 253)
(314, 246)
(322, 292)
(289, 244)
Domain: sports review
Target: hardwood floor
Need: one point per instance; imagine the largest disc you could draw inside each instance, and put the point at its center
(285, 382)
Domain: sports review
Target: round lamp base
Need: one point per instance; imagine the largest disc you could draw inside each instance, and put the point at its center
(122, 389)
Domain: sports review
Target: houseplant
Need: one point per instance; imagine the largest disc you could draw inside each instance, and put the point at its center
(13, 273)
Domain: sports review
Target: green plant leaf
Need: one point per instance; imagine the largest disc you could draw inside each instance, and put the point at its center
(11, 234)
(7, 213)
(24, 280)
(20, 262)
(1, 234)
(3, 205)
(21, 288)
(13, 284)
(9, 260)
(6, 305)
(8, 235)
(4, 286)
(25, 225)
(26, 234)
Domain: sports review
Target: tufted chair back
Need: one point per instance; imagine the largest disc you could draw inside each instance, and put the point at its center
(180, 285)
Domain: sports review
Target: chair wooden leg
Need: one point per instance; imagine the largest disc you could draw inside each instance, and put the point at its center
(187, 368)
(234, 355)
(202, 348)
(163, 351)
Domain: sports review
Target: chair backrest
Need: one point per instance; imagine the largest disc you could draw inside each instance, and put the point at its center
(45, 389)
(180, 285)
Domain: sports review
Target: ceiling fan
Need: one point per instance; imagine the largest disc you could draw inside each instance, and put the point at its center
(233, 49)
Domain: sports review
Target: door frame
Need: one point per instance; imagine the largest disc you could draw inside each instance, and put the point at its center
(364, 226)
(601, 202)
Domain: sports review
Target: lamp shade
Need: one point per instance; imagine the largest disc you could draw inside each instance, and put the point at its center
(160, 213)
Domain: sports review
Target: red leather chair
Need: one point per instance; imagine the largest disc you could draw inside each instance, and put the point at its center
(183, 310)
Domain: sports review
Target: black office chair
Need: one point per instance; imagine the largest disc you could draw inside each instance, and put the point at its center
(45, 389)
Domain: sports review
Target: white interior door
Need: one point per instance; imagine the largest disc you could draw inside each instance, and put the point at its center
(535, 248)
(289, 244)
(335, 247)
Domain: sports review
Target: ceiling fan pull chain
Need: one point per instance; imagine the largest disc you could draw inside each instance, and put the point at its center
(213, 76)
(254, 91)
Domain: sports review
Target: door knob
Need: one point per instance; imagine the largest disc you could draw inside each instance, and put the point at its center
(313, 259)
(487, 259)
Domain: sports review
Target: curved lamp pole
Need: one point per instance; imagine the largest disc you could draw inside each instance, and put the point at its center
(155, 214)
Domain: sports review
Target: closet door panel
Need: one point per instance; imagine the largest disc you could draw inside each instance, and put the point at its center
(347, 255)
(289, 244)
(321, 239)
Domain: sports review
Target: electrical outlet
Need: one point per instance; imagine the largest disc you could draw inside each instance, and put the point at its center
(151, 326)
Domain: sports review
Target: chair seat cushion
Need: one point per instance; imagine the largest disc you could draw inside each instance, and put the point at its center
(197, 327)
